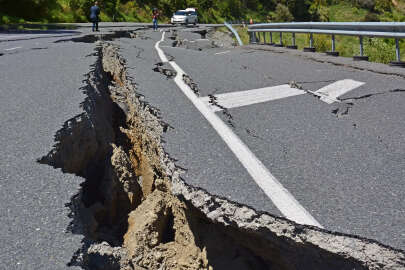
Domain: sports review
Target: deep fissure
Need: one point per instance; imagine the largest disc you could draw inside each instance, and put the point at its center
(137, 213)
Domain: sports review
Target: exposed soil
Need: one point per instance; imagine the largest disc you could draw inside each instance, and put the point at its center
(135, 211)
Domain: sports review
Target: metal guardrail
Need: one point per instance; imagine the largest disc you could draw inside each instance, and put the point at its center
(234, 32)
(394, 30)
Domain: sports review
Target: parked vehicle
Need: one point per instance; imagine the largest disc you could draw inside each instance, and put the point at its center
(186, 16)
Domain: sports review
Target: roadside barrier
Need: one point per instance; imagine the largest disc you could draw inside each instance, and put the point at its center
(234, 32)
(394, 30)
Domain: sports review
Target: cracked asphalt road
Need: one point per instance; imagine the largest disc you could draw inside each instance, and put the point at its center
(347, 171)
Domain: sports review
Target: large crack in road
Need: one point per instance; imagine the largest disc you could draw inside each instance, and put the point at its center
(135, 211)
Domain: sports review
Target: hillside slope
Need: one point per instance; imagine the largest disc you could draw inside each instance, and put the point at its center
(210, 11)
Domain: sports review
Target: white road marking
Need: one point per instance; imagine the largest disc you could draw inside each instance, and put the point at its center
(11, 49)
(7, 36)
(328, 94)
(332, 91)
(280, 196)
(159, 50)
(249, 97)
(177, 48)
(31, 36)
(223, 52)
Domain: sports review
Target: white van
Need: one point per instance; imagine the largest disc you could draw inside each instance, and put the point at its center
(185, 16)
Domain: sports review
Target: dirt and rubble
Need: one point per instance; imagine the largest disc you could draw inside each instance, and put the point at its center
(223, 39)
(208, 39)
(135, 211)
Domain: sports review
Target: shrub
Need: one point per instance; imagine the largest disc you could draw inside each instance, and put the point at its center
(371, 17)
(282, 14)
(5, 20)
(383, 5)
(379, 50)
(367, 4)
(322, 43)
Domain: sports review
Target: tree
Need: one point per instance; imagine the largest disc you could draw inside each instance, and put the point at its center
(282, 14)
(29, 9)
(299, 9)
(319, 11)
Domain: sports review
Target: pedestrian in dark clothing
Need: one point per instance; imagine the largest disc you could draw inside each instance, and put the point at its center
(94, 13)
(155, 15)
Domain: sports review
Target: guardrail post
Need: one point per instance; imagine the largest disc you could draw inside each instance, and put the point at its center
(254, 38)
(264, 37)
(397, 50)
(293, 46)
(397, 63)
(281, 41)
(311, 40)
(311, 44)
(333, 52)
(361, 57)
(271, 39)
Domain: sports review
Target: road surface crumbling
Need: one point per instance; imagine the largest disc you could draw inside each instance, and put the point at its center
(136, 212)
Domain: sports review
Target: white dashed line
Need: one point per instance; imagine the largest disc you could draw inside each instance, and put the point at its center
(280, 196)
(223, 52)
(11, 49)
(5, 37)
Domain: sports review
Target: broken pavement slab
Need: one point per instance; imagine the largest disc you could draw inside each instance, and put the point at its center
(173, 223)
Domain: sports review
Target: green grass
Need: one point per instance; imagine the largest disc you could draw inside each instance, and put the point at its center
(344, 12)
(243, 34)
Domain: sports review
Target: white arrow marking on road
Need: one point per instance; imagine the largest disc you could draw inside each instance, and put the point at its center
(279, 195)
(328, 94)
(249, 97)
(332, 91)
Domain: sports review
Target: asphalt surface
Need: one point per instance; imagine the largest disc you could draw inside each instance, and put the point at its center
(40, 84)
(347, 170)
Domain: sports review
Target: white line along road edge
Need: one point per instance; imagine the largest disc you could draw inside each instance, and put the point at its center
(280, 196)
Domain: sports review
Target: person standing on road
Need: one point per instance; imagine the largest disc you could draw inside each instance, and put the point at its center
(155, 15)
(94, 15)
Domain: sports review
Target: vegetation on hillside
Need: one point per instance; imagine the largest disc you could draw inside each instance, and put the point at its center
(210, 11)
